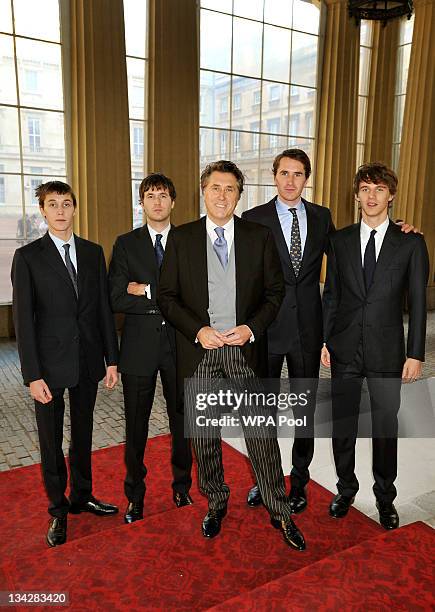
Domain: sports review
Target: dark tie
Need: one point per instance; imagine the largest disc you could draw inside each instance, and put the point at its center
(370, 260)
(220, 246)
(295, 243)
(70, 267)
(159, 250)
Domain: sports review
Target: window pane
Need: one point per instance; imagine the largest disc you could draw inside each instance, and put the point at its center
(5, 16)
(137, 208)
(10, 207)
(8, 88)
(39, 74)
(359, 155)
(226, 6)
(398, 118)
(248, 200)
(275, 107)
(276, 58)
(396, 155)
(244, 156)
(304, 59)
(31, 182)
(9, 141)
(136, 88)
(214, 99)
(37, 19)
(305, 16)
(215, 144)
(247, 42)
(216, 41)
(278, 12)
(270, 147)
(137, 143)
(245, 109)
(302, 111)
(404, 55)
(135, 20)
(249, 8)
(43, 142)
(406, 30)
(364, 69)
(7, 250)
(362, 119)
(366, 33)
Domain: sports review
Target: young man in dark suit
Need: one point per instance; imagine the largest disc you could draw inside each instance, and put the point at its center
(147, 343)
(372, 267)
(221, 287)
(66, 339)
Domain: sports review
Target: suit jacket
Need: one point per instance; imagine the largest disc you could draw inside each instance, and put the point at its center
(301, 310)
(183, 290)
(51, 323)
(134, 260)
(352, 315)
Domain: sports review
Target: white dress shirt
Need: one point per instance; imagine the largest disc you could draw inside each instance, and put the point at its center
(286, 221)
(228, 234)
(379, 236)
(164, 233)
(58, 242)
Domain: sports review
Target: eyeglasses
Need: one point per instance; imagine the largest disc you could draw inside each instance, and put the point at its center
(55, 205)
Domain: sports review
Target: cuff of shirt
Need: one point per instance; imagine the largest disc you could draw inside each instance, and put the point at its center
(148, 291)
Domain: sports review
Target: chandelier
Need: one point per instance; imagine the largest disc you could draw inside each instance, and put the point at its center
(383, 10)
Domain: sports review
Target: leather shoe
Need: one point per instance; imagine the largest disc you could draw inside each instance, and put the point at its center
(340, 505)
(211, 525)
(388, 516)
(182, 499)
(291, 533)
(298, 499)
(134, 512)
(56, 534)
(94, 506)
(254, 497)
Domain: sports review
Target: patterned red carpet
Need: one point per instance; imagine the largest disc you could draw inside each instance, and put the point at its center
(164, 563)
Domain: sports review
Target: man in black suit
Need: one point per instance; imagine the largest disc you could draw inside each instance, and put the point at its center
(301, 231)
(66, 339)
(221, 287)
(372, 266)
(147, 343)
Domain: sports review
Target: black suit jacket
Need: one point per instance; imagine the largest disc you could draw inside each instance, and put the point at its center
(301, 310)
(351, 314)
(51, 323)
(134, 260)
(183, 290)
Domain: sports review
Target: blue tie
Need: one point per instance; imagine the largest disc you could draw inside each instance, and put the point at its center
(159, 250)
(221, 247)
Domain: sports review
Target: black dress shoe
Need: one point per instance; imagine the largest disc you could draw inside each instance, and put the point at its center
(254, 497)
(291, 533)
(94, 506)
(388, 516)
(182, 499)
(134, 512)
(211, 525)
(340, 506)
(56, 534)
(298, 499)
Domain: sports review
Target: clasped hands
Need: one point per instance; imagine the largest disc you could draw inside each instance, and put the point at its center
(210, 338)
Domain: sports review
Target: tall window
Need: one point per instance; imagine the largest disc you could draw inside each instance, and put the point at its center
(136, 44)
(258, 86)
(365, 57)
(32, 138)
(404, 54)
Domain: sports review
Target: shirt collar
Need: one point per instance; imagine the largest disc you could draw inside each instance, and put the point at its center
(164, 233)
(211, 225)
(283, 207)
(59, 242)
(380, 229)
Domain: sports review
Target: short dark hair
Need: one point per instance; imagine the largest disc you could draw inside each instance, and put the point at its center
(297, 154)
(157, 180)
(377, 173)
(223, 165)
(44, 189)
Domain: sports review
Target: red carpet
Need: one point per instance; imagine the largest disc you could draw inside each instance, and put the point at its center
(163, 562)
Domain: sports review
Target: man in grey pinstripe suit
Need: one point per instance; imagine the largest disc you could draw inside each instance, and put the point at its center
(221, 286)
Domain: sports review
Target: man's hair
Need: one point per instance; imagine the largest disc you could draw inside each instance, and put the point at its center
(377, 173)
(223, 165)
(157, 180)
(296, 154)
(58, 187)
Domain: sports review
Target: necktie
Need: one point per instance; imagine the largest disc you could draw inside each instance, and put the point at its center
(70, 267)
(295, 243)
(220, 246)
(159, 250)
(370, 260)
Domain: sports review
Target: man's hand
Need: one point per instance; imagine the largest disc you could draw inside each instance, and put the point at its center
(136, 288)
(406, 227)
(411, 370)
(209, 338)
(40, 391)
(111, 377)
(237, 336)
(325, 357)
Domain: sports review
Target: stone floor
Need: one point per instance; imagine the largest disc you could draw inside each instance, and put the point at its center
(19, 443)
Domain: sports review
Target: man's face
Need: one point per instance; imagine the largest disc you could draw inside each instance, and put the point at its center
(59, 212)
(221, 195)
(157, 204)
(290, 180)
(374, 199)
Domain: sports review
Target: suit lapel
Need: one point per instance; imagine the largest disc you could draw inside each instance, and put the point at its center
(276, 228)
(82, 264)
(242, 253)
(353, 245)
(198, 260)
(147, 250)
(390, 244)
(54, 259)
(311, 231)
